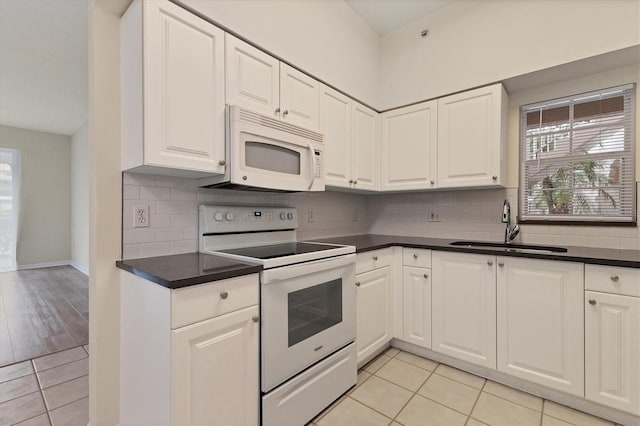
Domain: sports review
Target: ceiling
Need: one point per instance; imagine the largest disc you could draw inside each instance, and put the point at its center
(43, 64)
(385, 16)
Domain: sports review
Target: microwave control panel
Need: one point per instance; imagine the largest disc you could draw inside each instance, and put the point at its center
(317, 164)
(215, 219)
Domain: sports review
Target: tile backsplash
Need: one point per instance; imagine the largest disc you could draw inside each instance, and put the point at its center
(465, 214)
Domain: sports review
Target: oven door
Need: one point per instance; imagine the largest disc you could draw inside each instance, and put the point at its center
(275, 155)
(308, 312)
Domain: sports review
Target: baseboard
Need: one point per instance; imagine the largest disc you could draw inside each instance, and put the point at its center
(44, 265)
(79, 268)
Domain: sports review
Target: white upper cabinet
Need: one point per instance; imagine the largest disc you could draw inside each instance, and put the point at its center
(172, 91)
(471, 138)
(335, 125)
(541, 322)
(261, 83)
(409, 147)
(253, 78)
(464, 306)
(365, 150)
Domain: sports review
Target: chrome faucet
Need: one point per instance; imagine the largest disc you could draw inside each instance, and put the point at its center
(510, 232)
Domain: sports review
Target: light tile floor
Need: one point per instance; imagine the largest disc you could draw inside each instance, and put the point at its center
(50, 390)
(399, 388)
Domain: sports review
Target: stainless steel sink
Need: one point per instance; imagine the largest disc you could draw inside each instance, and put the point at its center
(511, 246)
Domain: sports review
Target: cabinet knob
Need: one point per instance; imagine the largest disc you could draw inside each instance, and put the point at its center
(350, 180)
(224, 295)
(285, 112)
(415, 256)
(355, 182)
(357, 283)
(592, 302)
(244, 178)
(222, 162)
(255, 319)
(501, 264)
(494, 177)
(277, 111)
(426, 275)
(433, 182)
(490, 262)
(615, 278)
(375, 257)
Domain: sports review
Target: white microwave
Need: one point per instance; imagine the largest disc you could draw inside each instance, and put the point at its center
(264, 153)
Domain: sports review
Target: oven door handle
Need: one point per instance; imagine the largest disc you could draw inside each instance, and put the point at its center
(274, 275)
(312, 154)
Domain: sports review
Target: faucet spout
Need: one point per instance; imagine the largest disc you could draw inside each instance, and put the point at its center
(510, 232)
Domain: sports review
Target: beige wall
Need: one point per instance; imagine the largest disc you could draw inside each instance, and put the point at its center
(45, 195)
(80, 198)
(473, 43)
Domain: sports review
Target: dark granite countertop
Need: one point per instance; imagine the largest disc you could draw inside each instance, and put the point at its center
(599, 256)
(182, 270)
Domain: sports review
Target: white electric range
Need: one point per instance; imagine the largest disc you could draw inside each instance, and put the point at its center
(307, 305)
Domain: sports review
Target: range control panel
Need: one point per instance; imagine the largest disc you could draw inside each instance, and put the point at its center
(225, 218)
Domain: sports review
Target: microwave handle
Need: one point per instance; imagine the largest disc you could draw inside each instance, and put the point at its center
(312, 154)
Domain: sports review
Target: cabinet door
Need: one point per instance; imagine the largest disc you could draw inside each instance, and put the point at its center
(335, 125)
(183, 90)
(373, 311)
(215, 371)
(463, 307)
(541, 322)
(365, 148)
(408, 147)
(416, 306)
(612, 350)
(253, 78)
(299, 98)
(471, 133)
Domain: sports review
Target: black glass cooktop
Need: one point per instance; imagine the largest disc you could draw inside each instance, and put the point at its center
(279, 250)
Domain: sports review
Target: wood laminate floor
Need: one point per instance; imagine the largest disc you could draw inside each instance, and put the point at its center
(42, 311)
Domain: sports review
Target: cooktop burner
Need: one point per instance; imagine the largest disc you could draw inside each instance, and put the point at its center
(278, 250)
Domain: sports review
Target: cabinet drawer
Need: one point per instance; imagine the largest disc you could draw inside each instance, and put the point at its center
(193, 304)
(420, 258)
(612, 279)
(374, 259)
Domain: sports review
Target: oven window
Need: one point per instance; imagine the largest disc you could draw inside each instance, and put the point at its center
(270, 157)
(314, 309)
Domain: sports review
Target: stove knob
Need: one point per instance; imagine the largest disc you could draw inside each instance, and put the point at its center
(218, 216)
(289, 216)
(230, 216)
(283, 216)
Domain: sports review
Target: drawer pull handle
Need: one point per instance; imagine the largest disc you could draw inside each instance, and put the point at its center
(592, 302)
(255, 319)
(318, 348)
(615, 278)
(415, 256)
(224, 295)
(501, 264)
(490, 262)
(357, 283)
(375, 257)
(426, 275)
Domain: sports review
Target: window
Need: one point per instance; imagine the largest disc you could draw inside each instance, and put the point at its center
(9, 185)
(577, 158)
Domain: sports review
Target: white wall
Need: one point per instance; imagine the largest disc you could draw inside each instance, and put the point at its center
(173, 213)
(80, 198)
(473, 43)
(325, 38)
(45, 195)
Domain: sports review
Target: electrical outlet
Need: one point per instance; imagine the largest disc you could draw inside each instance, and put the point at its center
(355, 214)
(433, 216)
(310, 216)
(141, 216)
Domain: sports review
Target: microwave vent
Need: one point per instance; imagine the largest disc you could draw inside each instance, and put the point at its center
(262, 120)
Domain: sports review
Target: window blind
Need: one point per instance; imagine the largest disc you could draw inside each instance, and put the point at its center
(577, 158)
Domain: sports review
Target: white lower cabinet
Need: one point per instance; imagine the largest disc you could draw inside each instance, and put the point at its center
(612, 350)
(541, 322)
(464, 307)
(416, 306)
(373, 311)
(204, 371)
(215, 370)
